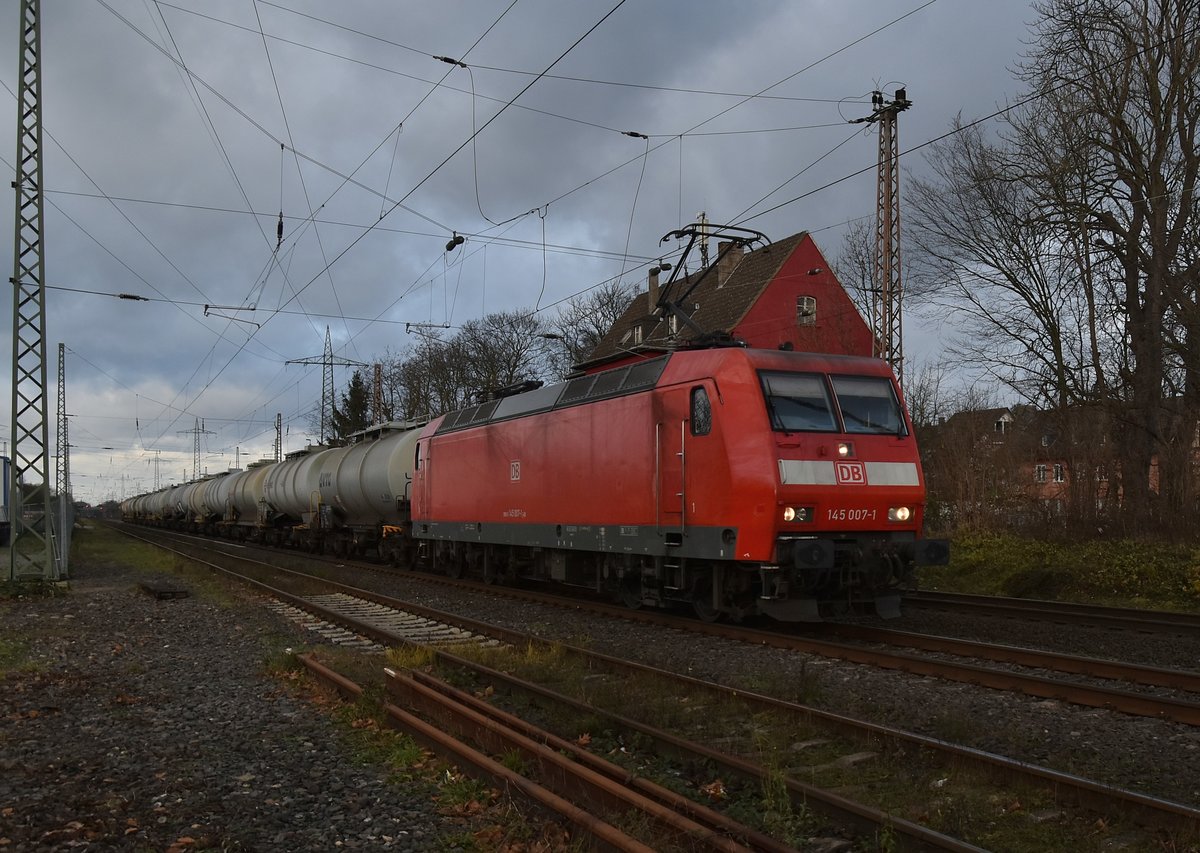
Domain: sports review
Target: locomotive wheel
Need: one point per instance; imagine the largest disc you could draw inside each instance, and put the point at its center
(488, 567)
(702, 596)
(631, 591)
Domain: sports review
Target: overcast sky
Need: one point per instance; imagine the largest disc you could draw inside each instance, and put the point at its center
(165, 177)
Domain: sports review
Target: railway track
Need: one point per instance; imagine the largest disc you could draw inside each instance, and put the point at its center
(1066, 788)
(1096, 615)
(882, 648)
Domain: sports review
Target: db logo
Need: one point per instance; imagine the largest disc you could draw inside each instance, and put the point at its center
(514, 470)
(850, 473)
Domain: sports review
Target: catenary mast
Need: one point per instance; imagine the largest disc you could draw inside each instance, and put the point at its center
(31, 549)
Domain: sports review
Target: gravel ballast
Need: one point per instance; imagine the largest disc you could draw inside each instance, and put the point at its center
(1152, 756)
(148, 724)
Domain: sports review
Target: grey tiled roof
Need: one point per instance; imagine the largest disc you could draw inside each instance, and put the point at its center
(714, 306)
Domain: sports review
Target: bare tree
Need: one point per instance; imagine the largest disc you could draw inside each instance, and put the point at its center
(855, 264)
(1070, 242)
(584, 320)
(440, 374)
(989, 253)
(504, 348)
(1128, 73)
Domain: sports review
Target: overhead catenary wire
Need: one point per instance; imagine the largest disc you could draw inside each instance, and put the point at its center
(959, 128)
(543, 245)
(464, 144)
(299, 172)
(646, 86)
(509, 241)
(192, 76)
(625, 254)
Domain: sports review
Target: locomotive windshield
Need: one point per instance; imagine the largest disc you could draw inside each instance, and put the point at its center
(868, 404)
(801, 402)
(798, 402)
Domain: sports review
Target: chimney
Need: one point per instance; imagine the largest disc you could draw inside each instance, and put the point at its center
(727, 260)
(652, 298)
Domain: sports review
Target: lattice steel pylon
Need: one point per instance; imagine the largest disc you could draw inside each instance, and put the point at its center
(887, 286)
(31, 552)
(327, 361)
(196, 431)
(62, 468)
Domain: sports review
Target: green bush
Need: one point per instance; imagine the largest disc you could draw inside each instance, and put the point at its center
(1143, 574)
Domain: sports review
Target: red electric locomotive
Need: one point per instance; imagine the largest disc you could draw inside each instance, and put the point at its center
(736, 481)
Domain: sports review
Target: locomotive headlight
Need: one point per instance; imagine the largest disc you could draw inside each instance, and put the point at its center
(899, 513)
(798, 513)
(845, 449)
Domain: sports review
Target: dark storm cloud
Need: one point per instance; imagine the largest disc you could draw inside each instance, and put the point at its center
(203, 200)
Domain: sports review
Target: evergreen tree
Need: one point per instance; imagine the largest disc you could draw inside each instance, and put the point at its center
(354, 415)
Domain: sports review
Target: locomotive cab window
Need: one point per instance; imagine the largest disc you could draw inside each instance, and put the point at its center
(701, 412)
(869, 405)
(798, 402)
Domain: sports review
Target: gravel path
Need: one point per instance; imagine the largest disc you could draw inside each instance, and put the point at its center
(148, 724)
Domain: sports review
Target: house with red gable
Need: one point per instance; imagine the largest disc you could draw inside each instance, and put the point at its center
(780, 296)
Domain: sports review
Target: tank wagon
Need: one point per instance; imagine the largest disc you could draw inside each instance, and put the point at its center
(729, 480)
(344, 500)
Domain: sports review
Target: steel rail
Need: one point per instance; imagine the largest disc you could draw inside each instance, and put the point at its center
(1059, 662)
(562, 773)
(1149, 810)
(863, 817)
(462, 755)
(1125, 701)
(674, 801)
(859, 814)
(1096, 615)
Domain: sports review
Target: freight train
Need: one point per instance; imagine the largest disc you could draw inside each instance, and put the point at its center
(730, 480)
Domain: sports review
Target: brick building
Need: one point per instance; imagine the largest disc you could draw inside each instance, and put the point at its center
(783, 295)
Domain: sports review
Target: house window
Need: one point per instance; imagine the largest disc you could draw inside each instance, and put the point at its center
(673, 324)
(1000, 426)
(637, 334)
(701, 412)
(806, 310)
(1060, 474)
(1039, 474)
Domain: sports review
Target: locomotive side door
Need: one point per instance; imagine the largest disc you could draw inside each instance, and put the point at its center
(670, 441)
